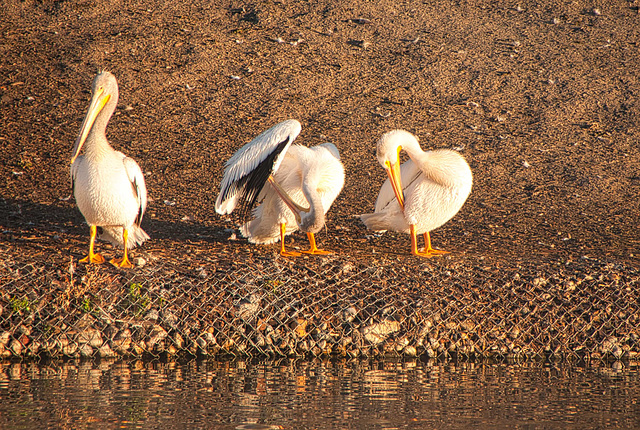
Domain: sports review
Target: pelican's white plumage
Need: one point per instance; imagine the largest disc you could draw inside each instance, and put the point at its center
(434, 185)
(303, 183)
(312, 177)
(108, 186)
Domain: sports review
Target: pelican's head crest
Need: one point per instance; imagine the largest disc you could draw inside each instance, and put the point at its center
(390, 145)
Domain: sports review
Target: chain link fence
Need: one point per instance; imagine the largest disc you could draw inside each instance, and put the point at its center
(271, 306)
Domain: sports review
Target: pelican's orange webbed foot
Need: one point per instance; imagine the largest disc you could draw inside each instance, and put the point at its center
(122, 262)
(431, 252)
(318, 252)
(313, 250)
(284, 252)
(93, 258)
(427, 251)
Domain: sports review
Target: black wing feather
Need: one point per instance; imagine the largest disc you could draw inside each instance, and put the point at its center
(251, 184)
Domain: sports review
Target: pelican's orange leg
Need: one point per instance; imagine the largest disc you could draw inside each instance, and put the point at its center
(313, 249)
(93, 258)
(284, 252)
(427, 251)
(124, 261)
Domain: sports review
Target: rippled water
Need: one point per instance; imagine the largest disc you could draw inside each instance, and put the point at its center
(317, 395)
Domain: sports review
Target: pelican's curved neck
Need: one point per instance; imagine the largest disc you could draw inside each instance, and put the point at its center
(413, 149)
(313, 220)
(97, 143)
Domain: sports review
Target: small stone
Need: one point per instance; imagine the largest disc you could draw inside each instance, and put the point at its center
(178, 341)
(349, 314)
(70, 349)
(105, 351)
(152, 315)
(202, 344)
(514, 333)
(348, 267)
(24, 330)
(616, 351)
(248, 307)
(85, 350)
(376, 333)
(157, 335)
(4, 338)
(300, 327)
(121, 345)
(33, 349)
(402, 343)
(228, 344)
(90, 336)
(210, 339)
(260, 340)
(410, 351)
(202, 272)
(137, 349)
(15, 347)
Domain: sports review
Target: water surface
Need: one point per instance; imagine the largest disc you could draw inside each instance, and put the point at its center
(317, 395)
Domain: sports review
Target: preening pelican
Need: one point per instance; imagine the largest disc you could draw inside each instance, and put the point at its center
(422, 194)
(303, 183)
(108, 186)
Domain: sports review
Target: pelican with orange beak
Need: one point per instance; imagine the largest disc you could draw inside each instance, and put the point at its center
(302, 185)
(108, 186)
(421, 194)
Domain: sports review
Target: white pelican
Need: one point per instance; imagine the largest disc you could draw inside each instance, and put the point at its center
(108, 186)
(298, 176)
(422, 194)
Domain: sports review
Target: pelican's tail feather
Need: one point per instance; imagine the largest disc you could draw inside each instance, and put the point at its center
(383, 221)
(373, 221)
(259, 232)
(136, 236)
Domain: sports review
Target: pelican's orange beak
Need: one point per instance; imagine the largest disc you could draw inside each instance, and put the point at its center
(295, 208)
(98, 101)
(393, 172)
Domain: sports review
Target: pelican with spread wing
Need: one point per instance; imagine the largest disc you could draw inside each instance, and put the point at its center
(302, 184)
(421, 194)
(108, 186)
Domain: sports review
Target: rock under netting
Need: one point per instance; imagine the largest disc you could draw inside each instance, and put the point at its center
(311, 307)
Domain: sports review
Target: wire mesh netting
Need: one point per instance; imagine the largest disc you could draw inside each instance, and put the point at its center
(270, 306)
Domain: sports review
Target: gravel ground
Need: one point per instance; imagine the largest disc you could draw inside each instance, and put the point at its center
(542, 100)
